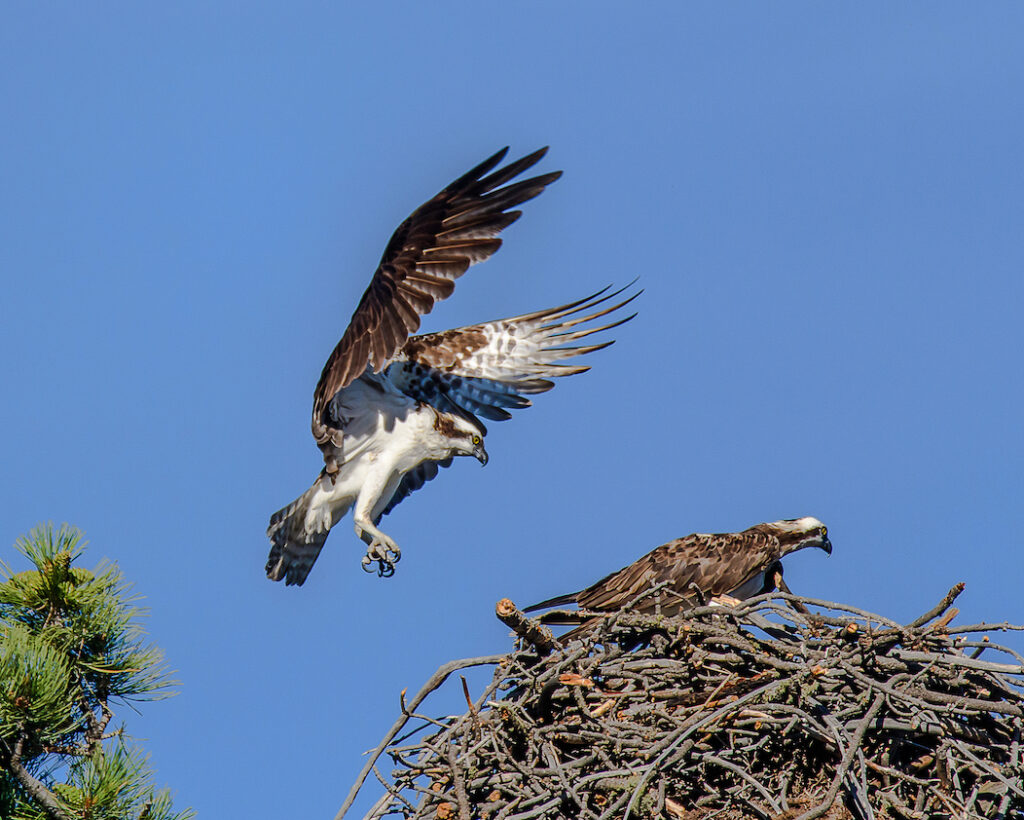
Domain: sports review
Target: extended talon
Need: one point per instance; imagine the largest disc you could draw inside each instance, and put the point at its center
(384, 555)
(385, 567)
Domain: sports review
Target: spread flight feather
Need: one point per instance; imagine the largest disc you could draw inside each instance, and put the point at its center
(390, 408)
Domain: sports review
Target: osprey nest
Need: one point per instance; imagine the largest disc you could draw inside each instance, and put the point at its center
(779, 707)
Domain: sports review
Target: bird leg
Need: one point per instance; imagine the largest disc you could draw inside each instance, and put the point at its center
(782, 586)
(378, 487)
(382, 550)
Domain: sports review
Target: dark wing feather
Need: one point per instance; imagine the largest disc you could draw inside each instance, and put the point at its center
(715, 563)
(432, 248)
(413, 481)
(490, 368)
(560, 600)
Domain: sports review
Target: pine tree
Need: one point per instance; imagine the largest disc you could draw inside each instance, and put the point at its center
(71, 649)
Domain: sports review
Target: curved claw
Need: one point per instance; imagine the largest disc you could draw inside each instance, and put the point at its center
(385, 556)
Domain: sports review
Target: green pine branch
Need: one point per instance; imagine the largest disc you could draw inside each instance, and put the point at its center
(71, 650)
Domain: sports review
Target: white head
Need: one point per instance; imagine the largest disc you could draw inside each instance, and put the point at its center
(462, 436)
(797, 533)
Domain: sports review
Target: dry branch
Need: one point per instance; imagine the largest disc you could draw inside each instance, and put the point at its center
(782, 707)
(527, 628)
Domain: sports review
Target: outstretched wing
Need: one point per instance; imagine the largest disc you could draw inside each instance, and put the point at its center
(489, 368)
(432, 248)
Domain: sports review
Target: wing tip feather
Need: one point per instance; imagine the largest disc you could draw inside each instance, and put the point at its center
(351, 355)
(558, 600)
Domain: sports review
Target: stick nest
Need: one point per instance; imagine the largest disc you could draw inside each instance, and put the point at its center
(782, 707)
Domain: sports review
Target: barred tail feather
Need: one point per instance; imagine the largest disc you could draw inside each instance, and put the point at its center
(294, 550)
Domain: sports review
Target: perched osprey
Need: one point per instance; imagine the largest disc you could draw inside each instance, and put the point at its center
(732, 563)
(389, 410)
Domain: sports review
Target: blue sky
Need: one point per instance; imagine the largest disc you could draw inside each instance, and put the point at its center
(823, 202)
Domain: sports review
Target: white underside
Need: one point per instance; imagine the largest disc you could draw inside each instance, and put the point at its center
(387, 434)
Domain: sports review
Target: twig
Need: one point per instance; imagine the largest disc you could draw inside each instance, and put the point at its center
(940, 607)
(526, 628)
(837, 781)
(439, 677)
(732, 767)
(460, 785)
(724, 709)
(10, 759)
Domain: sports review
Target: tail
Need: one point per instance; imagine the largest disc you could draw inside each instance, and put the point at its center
(294, 550)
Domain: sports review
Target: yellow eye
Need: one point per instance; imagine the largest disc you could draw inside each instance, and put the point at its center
(476, 440)
(824, 532)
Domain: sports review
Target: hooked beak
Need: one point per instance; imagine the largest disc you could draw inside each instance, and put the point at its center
(480, 454)
(826, 545)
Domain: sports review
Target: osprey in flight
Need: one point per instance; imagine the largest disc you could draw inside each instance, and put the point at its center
(391, 409)
(732, 563)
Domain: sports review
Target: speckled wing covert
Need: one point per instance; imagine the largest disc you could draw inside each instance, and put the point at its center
(488, 368)
(429, 251)
(482, 370)
(715, 564)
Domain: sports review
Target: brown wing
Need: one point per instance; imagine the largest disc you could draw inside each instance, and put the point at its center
(715, 564)
(490, 368)
(432, 248)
